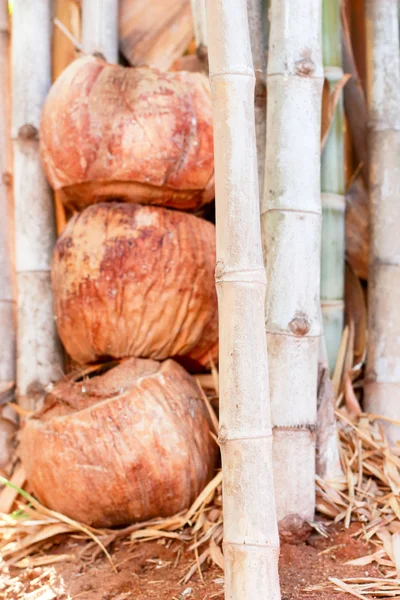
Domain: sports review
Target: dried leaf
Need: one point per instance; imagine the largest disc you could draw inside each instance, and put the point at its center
(8, 494)
(366, 560)
(216, 554)
(346, 588)
(330, 101)
(155, 37)
(41, 561)
(396, 551)
(354, 99)
(356, 313)
(352, 404)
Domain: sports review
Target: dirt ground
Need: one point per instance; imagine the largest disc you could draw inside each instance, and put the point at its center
(154, 571)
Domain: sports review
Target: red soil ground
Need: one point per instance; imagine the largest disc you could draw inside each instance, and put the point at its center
(154, 571)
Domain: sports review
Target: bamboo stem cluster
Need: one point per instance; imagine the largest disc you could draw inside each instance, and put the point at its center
(251, 543)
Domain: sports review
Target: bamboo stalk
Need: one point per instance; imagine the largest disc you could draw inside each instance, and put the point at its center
(100, 28)
(291, 223)
(332, 191)
(255, 11)
(251, 543)
(38, 349)
(7, 276)
(63, 53)
(382, 388)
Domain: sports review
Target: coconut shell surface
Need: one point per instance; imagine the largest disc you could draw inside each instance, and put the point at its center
(128, 445)
(132, 134)
(131, 280)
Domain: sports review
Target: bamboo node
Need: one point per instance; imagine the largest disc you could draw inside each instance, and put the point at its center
(98, 54)
(36, 391)
(305, 67)
(28, 132)
(219, 269)
(202, 55)
(7, 178)
(300, 325)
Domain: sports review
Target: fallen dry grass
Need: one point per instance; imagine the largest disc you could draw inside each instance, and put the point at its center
(369, 495)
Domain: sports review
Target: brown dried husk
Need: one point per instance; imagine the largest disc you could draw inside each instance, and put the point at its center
(136, 135)
(127, 445)
(155, 35)
(132, 280)
(357, 228)
(356, 313)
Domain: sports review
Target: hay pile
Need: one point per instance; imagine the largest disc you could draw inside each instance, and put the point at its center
(369, 495)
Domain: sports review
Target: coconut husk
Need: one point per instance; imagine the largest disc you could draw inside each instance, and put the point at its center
(115, 147)
(129, 444)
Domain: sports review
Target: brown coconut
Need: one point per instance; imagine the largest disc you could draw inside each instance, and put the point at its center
(131, 280)
(128, 445)
(136, 135)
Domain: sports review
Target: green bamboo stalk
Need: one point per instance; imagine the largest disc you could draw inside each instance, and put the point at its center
(332, 191)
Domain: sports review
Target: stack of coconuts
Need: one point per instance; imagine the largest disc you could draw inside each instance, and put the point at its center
(133, 283)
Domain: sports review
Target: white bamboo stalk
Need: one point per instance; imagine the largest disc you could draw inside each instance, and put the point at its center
(38, 349)
(256, 18)
(7, 296)
(382, 389)
(100, 28)
(332, 191)
(251, 544)
(199, 22)
(291, 223)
